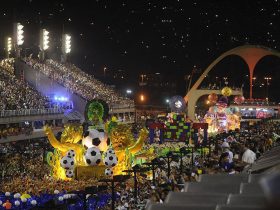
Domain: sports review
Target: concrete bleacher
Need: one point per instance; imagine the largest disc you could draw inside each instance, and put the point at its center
(217, 192)
(256, 191)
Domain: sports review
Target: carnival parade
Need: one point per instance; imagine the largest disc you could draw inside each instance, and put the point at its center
(97, 113)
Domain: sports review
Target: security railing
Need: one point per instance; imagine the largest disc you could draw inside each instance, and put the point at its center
(29, 112)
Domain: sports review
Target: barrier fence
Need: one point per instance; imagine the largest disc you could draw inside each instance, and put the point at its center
(29, 112)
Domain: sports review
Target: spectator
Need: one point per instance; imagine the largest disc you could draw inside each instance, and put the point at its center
(248, 156)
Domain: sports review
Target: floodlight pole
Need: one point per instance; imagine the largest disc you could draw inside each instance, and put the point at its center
(192, 157)
(113, 193)
(135, 170)
(154, 173)
(115, 179)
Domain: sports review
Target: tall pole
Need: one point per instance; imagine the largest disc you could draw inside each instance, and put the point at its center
(251, 86)
(113, 194)
(135, 185)
(181, 162)
(192, 157)
(153, 173)
(168, 166)
(190, 82)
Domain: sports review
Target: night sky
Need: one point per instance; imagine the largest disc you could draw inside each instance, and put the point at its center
(150, 36)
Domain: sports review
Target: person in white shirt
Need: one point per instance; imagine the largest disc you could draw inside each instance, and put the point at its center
(248, 156)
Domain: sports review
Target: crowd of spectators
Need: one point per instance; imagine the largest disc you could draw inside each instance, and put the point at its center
(78, 81)
(15, 131)
(219, 86)
(230, 153)
(16, 94)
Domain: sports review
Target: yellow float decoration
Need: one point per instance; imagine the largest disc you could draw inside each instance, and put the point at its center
(69, 156)
(71, 135)
(226, 91)
(122, 141)
(126, 146)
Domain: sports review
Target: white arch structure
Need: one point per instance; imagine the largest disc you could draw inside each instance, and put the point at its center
(251, 54)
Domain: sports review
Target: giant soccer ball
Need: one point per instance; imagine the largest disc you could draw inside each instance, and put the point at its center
(93, 156)
(71, 153)
(110, 159)
(69, 173)
(67, 162)
(108, 172)
(95, 138)
(109, 152)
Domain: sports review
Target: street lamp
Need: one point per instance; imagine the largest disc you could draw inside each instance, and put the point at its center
(128, 91)
(104, 71)
(267, 84)
(8, 46)
(142, 97)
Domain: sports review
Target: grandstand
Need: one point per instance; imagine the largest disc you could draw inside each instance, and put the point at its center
(36, 93)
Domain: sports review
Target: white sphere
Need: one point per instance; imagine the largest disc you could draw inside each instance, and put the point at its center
(7, 193)
(17, 203)
(1, 202)
(17, 195)
(55, 191)
(71, 153)
(67, 162)
(110, 151)
(34, 202)
(23, 200)
(110, 160)
(108, 172)
(66, 196)
(93, 139)
(60, 198)
(93, 156)
(69, 173)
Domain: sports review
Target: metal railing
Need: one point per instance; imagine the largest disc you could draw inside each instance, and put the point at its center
(29, 112)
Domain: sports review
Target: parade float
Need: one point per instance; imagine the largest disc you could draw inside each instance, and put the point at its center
(109, 148)
(220, 117)
(104, 149)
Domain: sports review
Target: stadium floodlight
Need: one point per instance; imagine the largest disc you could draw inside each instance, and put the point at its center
(44, 39)
(66, 43)
(9, 45)
(19, 34)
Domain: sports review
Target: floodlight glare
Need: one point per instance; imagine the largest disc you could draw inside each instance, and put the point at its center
(44, 39)
(19, 34)
(9, 45)
(66, 43)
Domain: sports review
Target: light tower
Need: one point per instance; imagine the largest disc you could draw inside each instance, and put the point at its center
(8, 47)
(44, 43)
(66, 46)
(18, 37)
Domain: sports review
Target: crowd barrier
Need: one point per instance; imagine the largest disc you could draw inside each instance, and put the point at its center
(28, 112)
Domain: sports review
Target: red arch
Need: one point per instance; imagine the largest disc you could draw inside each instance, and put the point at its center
(251, 54)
